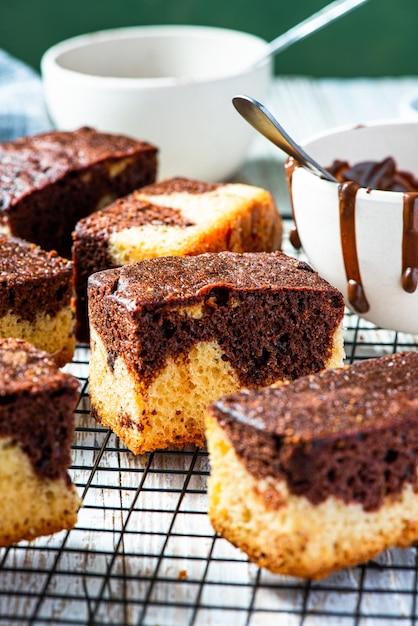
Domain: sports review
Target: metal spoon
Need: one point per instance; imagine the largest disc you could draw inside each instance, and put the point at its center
(262, 120)
(312, 24)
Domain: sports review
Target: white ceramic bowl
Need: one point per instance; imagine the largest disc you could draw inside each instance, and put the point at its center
(380, 221)
(169, 85)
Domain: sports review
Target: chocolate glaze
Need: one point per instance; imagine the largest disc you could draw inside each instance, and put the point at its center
(382, 175)
(91, 238)
(50, 181)
(32, 280)
(351, 433)
(272, 315)
(37, 403)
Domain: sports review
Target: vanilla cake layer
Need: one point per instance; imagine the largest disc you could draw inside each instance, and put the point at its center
(327, 467)
(171, 334)
(176, 217)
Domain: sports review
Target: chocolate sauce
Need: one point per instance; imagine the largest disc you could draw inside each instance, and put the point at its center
(37, 402)
(260, 308)
(410, 242)
(289, 168)
(355, 292)
(382, 175)
(91, 241)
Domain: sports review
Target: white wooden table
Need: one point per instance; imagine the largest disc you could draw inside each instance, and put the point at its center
(143, 551)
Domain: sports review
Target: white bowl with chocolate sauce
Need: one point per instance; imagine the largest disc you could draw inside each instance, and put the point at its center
(362, 239)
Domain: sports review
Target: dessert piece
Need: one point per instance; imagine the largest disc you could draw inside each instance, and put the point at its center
(326, 467)
(169, 335)
(50, 181)
(36, 298)
(174, 217)
(36, 429)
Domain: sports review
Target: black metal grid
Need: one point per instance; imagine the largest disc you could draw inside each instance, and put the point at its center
(143, 551)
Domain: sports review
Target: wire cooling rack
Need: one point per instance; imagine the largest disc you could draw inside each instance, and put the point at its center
(144, 553)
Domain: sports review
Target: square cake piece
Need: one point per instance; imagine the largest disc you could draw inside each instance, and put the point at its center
(36, 298)
(175, 217)
(50, 181)
(171, 334)
(326, 467)
(37, 402)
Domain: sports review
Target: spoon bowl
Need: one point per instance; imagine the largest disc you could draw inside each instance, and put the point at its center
(262, 120)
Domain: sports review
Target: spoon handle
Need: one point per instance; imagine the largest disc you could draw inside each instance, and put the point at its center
(315, 22)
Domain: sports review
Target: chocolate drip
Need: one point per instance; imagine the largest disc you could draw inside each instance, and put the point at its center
(347, 193)
(294, 239)
(410, 242)
(289, 168)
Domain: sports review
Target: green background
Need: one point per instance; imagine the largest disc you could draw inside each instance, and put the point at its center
(376, 39)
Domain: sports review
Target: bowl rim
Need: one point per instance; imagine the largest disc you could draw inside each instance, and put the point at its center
(335, 130)
(49, 59)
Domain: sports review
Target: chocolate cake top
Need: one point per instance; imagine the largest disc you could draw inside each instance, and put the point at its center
(350, 432)
(20, 260)
(36, 161)
(37, 401)
(173, 279)
(32, 279)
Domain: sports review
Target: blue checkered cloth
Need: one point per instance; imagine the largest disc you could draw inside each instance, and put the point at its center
(22, 107)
